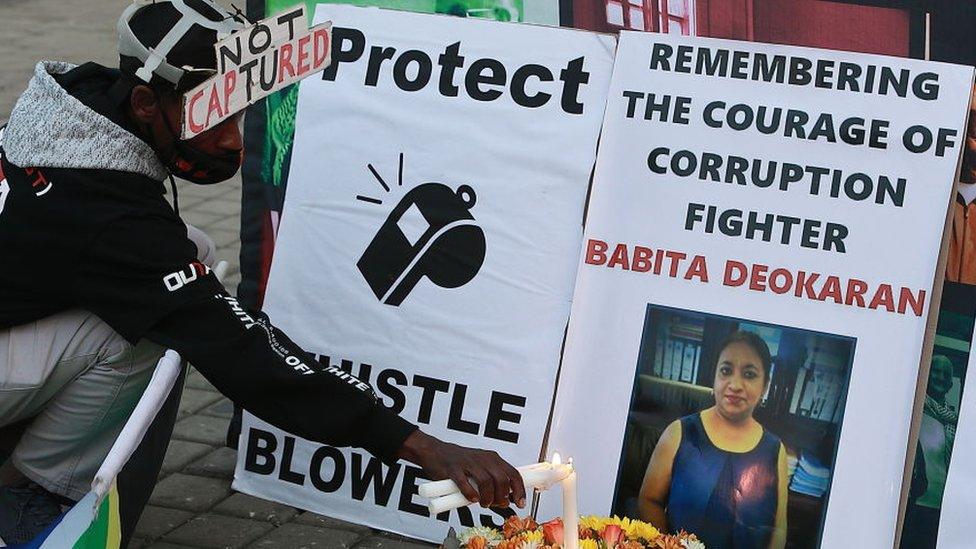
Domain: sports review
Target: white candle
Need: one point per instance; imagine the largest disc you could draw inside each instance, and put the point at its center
(542, 478)
(570, 511)
(440, 504)
(444, 495)
(436, 489)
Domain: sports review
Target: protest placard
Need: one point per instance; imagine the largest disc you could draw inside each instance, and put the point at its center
(428, 244)
(271, 127)
(255, 62)
(758, 261)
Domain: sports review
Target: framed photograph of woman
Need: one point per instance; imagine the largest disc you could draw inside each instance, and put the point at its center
(733, 428)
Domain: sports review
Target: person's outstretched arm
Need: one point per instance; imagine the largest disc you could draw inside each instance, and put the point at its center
(260, 368)
(141, 278)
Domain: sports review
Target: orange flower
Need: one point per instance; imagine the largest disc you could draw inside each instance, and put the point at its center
(668, 542)
(477, 542)
(552, 531)
(515, 526)
(611, 534)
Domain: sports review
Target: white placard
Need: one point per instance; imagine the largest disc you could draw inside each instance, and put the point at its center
(430, 234)
(253, 63)
(647, 245)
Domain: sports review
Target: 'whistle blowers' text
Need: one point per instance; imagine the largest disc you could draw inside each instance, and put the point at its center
(331, 470)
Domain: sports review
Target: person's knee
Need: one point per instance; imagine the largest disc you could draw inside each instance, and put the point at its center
(96, 338)
(123, 355)
(92, 342)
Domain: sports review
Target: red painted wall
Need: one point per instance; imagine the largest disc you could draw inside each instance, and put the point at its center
(590, 15)
(817, 23)
(725, 18)
(833, 25)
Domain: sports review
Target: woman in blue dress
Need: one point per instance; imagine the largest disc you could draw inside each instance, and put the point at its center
(718, 474)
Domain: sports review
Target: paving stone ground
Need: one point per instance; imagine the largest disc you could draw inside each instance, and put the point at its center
(193, 505)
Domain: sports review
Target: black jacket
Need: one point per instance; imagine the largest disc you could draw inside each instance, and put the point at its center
(84, 224)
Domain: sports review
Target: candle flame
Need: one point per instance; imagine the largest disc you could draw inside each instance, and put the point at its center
(556, 459)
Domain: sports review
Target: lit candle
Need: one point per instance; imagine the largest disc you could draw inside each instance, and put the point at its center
(570, 510)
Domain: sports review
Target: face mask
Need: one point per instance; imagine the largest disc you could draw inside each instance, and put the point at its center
(186, 162)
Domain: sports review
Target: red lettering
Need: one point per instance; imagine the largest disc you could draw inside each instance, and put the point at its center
(855, 292)
(831, 289)
(883, 298)
(642, 259)
(195, 127)
(757, 280)
(777, 274)
(284, 62)
(596, 252)
(303, 55)
(39, 179)
(320, 47)
(214, 105)
(906, 297)
(735, 273)
(676, 258)
(698, 269)
(658, 261)
(619, 257)
(804, 285)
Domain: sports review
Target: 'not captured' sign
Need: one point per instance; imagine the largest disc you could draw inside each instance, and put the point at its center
(255, 62)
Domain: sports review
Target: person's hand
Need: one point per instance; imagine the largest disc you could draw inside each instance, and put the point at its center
(498, 483)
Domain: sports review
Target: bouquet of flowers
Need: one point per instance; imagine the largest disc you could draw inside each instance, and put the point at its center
(594, 533)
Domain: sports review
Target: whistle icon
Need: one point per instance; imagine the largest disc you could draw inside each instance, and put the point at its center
(430, 233)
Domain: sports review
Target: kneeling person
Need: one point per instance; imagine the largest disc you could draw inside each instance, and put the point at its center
(102, 277)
